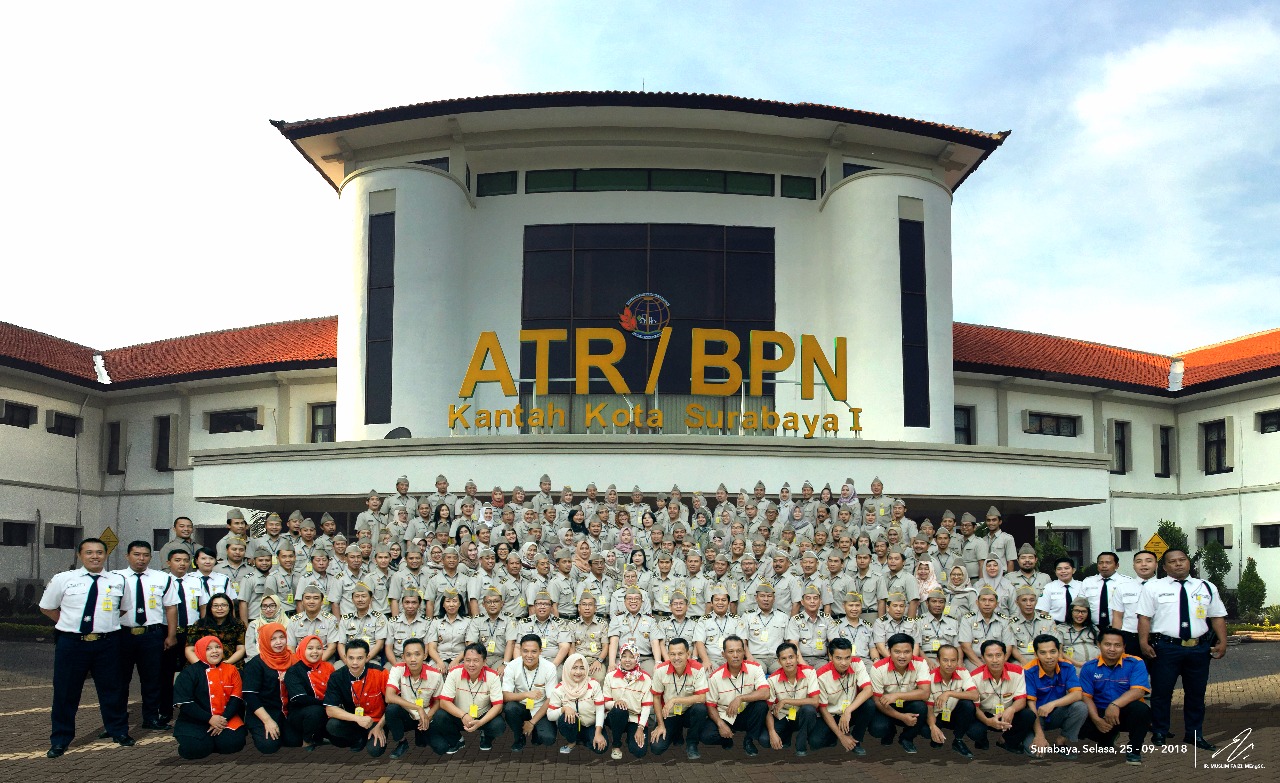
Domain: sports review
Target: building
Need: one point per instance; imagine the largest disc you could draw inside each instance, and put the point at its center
(594, 257)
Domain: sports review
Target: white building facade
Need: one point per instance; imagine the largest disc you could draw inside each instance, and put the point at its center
(525, 221)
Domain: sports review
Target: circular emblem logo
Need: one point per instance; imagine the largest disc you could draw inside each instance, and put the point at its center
(645, 315)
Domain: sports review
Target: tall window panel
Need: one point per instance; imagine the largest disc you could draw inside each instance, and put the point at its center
(915, 324)
(378, 318)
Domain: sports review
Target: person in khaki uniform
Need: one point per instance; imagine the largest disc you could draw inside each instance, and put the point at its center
(895, 621)
(639, 629)
(999, 543)
(716, 626)
(866, 582)
(986, 624)
(679, 624)
(810, 630)
(937, 628)
(409, 624)
(766, 628)
(364, 623)
(314, 619)
(853, 627)
(588, 636)
(1027, 573)
(1028, 623)
(973, 550)
(493, 631)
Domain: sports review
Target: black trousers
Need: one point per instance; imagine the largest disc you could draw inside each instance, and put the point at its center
(345, 733)
(446, 730)
(583, 735)
(750, 721)
(289, 737)
(801, 728)
(172, 661)
(143, 652)
(194, 741)
(1192, 665)
(884, 726)
(308, 722)
(823, 737)
(962, 717)
(1135, 720)
(400, 721)
(622, 731)
(1024, 721)
(515, 714)
(687, 727)
(73, 662)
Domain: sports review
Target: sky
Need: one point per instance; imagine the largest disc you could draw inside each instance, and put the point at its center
(1136, 203)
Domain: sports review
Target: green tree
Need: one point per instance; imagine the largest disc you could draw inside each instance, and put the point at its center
(1251, 593)
(1049, 547)
(1173, 536)
(1213, 559)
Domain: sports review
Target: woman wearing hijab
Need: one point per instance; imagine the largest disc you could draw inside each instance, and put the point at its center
(925, 580)
(306, 681)
(265, 698)
(219, 622)
(848, 497)
(961, 597)
(576, 707)
(529, 557)
(993, 576)
(626, 542)
(629, 699)
(270, 614)
(209, 702)
(1080, 636)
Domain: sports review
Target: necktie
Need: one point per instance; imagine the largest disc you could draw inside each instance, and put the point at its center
(1184, 613)
(139, 603)
(182, 606)
(1066, 613)
(1104, 613)
(90, 602)
(207, 594)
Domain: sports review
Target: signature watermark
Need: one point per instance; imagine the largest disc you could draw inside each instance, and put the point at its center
(1233, 755)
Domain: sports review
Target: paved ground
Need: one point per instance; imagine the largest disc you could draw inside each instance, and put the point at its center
(1243, 694)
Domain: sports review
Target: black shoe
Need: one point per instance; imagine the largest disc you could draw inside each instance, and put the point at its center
(1014, 749)
(908, 746)
(982, 744)
(727, 744)
(454, 748)
(486, 743)
(749, 747)
(359, 746)
(124, 741)
(518, 745)
(1204, 744)
(1158, 739)
(155, 725)
(104, 735)
(959, 747)
(1133, 757)
(859, 750)
(55, 751)
(691, 752)
(401, 749)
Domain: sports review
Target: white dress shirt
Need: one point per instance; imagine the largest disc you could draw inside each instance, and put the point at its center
(156, 596)
(69, 591)
(1161, 598)
(1054, 599)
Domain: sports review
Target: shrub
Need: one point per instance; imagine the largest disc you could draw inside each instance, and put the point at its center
(1252, 591)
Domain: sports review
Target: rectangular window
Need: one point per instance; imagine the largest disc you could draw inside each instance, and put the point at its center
(497, 183)
(1164, 453)
(824, 182)
(593, 180)
(964, 425)
(1269, 422)
(799, 187)
(61, 537)
(18, 415)
(1218, 534)
(18, 534)
(1120, 447)
(1051, 424)
(63, 424)
(435, 163)
(243, 420)
(1076, 543)
(115, 448)
(915, 324)
(378, 318)
(164, 444)
(1215, 447)
(1268, 536)
(744, 183)
(1128, 541)
(322, 422)
(159, 537)
(856, 168)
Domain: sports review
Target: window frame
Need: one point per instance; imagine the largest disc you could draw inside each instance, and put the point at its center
(1267, 536)
(970, 429)
(1215, 447)
(7, 416)
(56, 536)
(1269, 419)
(255, 412)
(15, 528)
(164, 432)
(1166, 450)
(312, 427)
(66, 425)
(1121, 441)
(1033, 423)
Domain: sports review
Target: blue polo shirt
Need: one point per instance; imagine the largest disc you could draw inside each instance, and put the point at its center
(1042, 686)
(1106, 683)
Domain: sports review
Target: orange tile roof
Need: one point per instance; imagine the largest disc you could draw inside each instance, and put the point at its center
(311, 340)
(1057, 356)
(29, 347)
(1250, 353)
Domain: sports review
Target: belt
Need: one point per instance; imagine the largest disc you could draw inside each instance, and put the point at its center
(142, 629)
(1192, 642)
(91, 637)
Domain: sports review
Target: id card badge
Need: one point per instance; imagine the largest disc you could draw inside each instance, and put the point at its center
(359, 712)
(741, 707)
(288, 598)
(492, 646)
(1027, 649)
(791, 713)
(1200, 613)
(935, 644)
(764, 635)
(898, 704)
(593, 647)
(107, 606)
(151, 603)
(474, 711)
(418, 701)
(309, 568)
(275, 560)
(999, 710)
(844, 705)
(946, 610)
(819, 646)
(677, 709)
(946, 715)
(528, 704)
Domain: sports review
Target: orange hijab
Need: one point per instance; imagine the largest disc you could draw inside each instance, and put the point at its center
(223, 681)
(318, 672)
(276, 660)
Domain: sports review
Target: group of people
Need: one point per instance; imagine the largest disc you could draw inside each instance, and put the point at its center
(620, 628)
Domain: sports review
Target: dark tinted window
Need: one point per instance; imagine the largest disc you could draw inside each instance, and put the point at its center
(234, 421)
(435, 163)
(799, 187)
(915, 324)
(380, 305)
(65, 425)
(498, 183)
(18, 415)
(163, 427)
(855, 168)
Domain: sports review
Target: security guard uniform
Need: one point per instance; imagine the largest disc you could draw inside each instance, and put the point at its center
(146, 597)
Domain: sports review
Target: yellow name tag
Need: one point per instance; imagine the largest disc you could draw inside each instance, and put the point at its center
(359, 712)
(946, 714)
(418, 701)
(946, 610)
(741, 706)
(107, 606)
(844, 705)
(522, 603)
(999, 709)
(1069, 651)
(818, 645)
(492, 646)
(151, 603)
(677, 709)
(935, 644)
(593, 647)
(898, 704)
(288, 599)
(764, 636)
(275, 561)
(1199, 612)
(475, 710)
(791, 713)
(309, 568)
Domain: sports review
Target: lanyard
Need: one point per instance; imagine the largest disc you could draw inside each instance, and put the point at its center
(364, 684)
(897, 680)
(528, 682)
(679, 687)
(408, 682)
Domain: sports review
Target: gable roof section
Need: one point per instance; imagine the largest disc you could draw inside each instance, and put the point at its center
(991, 349)
(1248, 355)
(28, 349)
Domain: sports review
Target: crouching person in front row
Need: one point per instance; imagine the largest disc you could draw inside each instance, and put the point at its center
(470, 702)
(793, 702)
(576, 707)
(413, 692)
(210, 700)
(355, 702)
